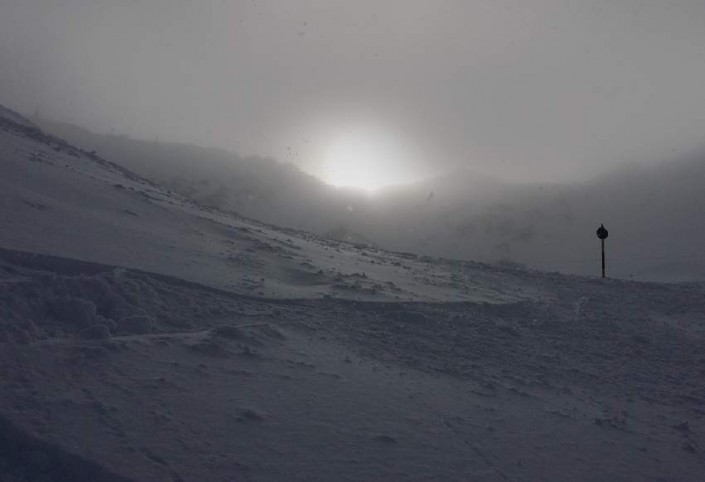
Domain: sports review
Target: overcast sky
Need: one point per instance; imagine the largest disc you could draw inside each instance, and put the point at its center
(521, 89)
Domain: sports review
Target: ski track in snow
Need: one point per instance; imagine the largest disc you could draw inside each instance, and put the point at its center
(147, 338)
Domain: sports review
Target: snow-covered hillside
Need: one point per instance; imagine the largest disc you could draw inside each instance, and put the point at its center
(62, 201)
(146, 338)
(462, 215)
(258, 188)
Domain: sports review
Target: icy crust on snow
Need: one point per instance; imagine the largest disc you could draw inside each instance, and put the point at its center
(603, 383)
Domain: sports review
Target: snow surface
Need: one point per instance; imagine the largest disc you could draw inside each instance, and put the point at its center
(143, 337)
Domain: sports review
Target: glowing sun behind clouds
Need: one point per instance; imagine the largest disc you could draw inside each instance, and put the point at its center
(366, 160)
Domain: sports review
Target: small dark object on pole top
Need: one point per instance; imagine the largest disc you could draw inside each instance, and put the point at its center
(602, 232)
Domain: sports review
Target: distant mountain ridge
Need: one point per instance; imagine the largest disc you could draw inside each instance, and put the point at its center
(252, 186)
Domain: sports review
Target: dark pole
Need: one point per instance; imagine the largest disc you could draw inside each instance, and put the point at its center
(602, 234)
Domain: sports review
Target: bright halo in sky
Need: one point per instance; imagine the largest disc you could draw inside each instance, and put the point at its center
(366, 161)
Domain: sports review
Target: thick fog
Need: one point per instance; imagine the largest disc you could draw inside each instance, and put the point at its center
(352, 240)
(541, 90)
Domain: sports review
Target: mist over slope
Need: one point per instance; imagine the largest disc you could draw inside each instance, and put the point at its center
(462, 215)
(653, 214)
(145, 337)
(58, 199)
(255, 187)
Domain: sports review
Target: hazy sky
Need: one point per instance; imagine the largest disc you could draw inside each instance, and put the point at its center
(522, 89)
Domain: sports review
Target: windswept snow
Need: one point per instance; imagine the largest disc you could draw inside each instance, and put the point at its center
(62, 201)
(145, 338)
(189, 383)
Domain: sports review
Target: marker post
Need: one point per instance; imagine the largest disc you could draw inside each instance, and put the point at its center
(602, 233)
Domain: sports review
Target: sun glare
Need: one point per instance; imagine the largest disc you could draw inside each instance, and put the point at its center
(364, 161)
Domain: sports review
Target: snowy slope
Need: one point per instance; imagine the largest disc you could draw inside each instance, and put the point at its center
(16, 118)
(462, 215)
(60, 200)
(259, 188)
(154, 340)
